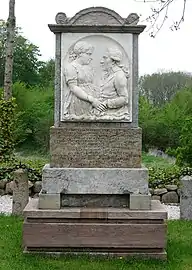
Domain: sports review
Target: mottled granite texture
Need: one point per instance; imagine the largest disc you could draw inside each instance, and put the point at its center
(95, 147)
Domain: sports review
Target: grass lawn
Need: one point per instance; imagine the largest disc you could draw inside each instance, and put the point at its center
(157, 162)
(147, 160)
(11, 256)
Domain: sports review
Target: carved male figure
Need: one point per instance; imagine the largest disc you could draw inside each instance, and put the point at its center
(114, 92)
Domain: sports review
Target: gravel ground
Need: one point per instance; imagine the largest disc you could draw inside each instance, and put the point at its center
(6, 207)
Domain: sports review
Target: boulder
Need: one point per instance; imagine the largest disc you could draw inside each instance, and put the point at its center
(155, 197)
(37, 187)
(170, 197)
(151, 191)
(171, 187)
(160, 191)
(9, 187)
(2, 192)
(3, 183)
(30, 184)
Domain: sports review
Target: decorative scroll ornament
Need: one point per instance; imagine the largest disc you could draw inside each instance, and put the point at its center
(61, 18)
(132, 19)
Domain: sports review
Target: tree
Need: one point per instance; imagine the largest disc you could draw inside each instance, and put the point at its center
(47, 73)
(9, 51)
(26, 63)
(160, 13)
(160, 88)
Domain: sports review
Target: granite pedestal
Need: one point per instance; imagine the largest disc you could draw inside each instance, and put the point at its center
(96, 231)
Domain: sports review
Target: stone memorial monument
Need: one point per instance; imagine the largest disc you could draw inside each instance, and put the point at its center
(95, 196)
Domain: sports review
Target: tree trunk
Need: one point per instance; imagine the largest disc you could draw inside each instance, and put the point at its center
(9, 51)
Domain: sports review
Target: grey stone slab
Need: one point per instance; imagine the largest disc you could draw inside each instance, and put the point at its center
(186, 198)
(20, 191)
(140, 202)
(95, 180)
(49, 201)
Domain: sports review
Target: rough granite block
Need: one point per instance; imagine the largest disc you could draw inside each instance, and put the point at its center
(95, 180)
(140, 202)
(95, 147)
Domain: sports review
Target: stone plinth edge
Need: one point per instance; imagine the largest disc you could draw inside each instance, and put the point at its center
(95, 180)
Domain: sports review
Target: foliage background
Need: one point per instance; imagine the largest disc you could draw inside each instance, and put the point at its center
(165, 111)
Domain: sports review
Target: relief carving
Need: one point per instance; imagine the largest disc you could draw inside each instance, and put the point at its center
(105, 99)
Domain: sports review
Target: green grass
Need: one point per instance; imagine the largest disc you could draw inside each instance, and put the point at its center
(157, 162)
(179, 250)
(147, 160)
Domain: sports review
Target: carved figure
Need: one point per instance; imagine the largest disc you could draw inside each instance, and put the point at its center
(113, 92)
(81, 96)
(83, 99)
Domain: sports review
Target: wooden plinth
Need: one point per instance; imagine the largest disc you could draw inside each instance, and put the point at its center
(97, 231)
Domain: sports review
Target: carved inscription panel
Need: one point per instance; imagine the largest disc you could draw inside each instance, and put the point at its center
(96, 77)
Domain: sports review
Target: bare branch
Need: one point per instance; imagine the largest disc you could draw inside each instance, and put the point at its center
(154, 18)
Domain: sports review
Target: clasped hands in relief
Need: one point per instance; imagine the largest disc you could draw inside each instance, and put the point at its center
(97, 104)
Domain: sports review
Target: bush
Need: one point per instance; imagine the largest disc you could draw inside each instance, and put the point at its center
(35, 116)
(7, 128)
(159, 177)
(162, 127)
(34, 168)
(184, 151)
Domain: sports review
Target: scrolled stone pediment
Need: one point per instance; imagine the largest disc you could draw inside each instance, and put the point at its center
(96, 16)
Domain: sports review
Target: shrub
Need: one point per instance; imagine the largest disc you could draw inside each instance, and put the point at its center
(184, 151)
(7, 128)
(35, 116)
(159, 177)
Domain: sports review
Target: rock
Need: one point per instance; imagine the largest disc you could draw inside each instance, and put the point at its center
(151, 191)
(37, 187)
(30, 184)
(9, 187)
(155, 197)
(186, 198)
(3, 183)
(35, 196)
(2, 192)
(171, 187)
(170, 197)
(179, 192)
(160, 191)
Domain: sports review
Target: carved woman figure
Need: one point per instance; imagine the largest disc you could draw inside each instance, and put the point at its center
(114, 92)
(81, 96)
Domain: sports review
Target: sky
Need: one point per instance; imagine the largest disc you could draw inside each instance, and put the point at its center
(168, 51)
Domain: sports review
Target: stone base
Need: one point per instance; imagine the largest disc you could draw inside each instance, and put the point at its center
(106, 231)
(58, 201)
(95, 180)
(94, 187)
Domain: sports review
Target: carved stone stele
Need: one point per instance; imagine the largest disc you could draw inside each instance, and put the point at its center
(96, 66)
